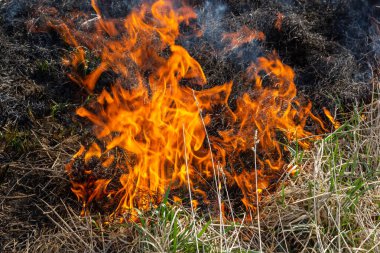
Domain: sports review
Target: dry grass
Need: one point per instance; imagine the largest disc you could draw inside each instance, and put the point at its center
(331, 205)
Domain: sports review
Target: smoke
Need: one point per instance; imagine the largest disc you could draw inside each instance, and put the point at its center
(210, 16)
(222, 62)
(215, 19)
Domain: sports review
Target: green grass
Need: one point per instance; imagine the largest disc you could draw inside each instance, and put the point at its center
(43, 66)
(16, 140)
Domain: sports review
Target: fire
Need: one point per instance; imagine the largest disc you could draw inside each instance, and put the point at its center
(153, 130)
(243, 36)
(335, 123)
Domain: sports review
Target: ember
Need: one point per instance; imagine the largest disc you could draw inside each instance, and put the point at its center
(154, 132)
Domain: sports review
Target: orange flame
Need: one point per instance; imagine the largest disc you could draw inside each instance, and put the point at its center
(152, 129)
(335, 123)
(243, 36)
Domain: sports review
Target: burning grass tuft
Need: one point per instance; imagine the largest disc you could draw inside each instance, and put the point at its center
(331, 204)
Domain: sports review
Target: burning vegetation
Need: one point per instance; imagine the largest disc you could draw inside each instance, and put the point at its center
(177, 124)
(158, 127)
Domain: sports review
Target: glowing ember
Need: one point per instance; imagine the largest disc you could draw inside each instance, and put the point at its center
(152, 129)
(279, 20)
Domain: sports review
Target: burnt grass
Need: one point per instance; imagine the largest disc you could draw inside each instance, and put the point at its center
(333, 46)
